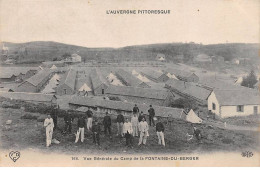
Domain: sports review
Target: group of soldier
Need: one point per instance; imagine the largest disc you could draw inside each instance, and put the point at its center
(138, 126)
(126, 127)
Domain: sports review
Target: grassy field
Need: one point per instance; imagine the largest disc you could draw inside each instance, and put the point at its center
(250, 121)
(30, 134)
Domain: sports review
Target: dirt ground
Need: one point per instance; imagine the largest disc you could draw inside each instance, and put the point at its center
(30, 134)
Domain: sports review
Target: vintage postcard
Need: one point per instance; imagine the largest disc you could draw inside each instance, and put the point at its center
(129, 83)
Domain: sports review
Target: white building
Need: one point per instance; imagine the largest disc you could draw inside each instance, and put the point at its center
(76, 58)
(160, 57)
(228, 103)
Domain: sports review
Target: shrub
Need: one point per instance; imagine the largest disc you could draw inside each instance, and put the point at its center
(29, 116)
(250, 80)
(184, 103)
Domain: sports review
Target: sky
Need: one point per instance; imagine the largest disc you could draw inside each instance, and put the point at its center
(85, 22)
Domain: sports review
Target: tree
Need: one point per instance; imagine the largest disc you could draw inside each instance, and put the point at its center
(250, 80)
(184, 103)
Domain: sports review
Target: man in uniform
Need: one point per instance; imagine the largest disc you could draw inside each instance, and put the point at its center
(49, 125)
(160, 132)
(68, 120)
(120, 122)
(90, 119)
(141, 116)
(81, 127)
(134, 122)
(135, 109)
(128, 130)
(151, 115)
(107, 124)
(143, 128)
(197, 133)
(96, 132)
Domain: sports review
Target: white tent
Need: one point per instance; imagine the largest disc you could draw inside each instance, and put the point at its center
(85, 88)
(53, 67)
(192, 117)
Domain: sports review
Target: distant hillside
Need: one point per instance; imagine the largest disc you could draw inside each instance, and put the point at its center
(45, 51)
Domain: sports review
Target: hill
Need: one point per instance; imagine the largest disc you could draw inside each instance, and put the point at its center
(39, 51)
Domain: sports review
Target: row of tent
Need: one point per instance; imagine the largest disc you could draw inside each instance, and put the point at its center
(53, 82)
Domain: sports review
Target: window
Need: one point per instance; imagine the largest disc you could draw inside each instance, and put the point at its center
(213, 106)
(255, 109)
(65, 91)
(103, 91)
(240, 108)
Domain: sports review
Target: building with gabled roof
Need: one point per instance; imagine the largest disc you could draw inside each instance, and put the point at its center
(49, 99)
(79, 101)
(67, 83)
(6, 90)
(160, 57)
(98, 82)
(130, 80)
(188, 90)
(228, 103)
(126, 108)
(182, 75)
(202, 58)
(9, 74)
(49, 64)
(140, 95)
(217, 59)
(76, 58)
(154, 75)
(37, 82)
(211, 83)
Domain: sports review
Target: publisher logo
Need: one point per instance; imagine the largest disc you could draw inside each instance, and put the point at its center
(247, 154)
(14, 155)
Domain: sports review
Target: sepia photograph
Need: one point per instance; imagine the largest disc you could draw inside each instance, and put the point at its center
(129, 83)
